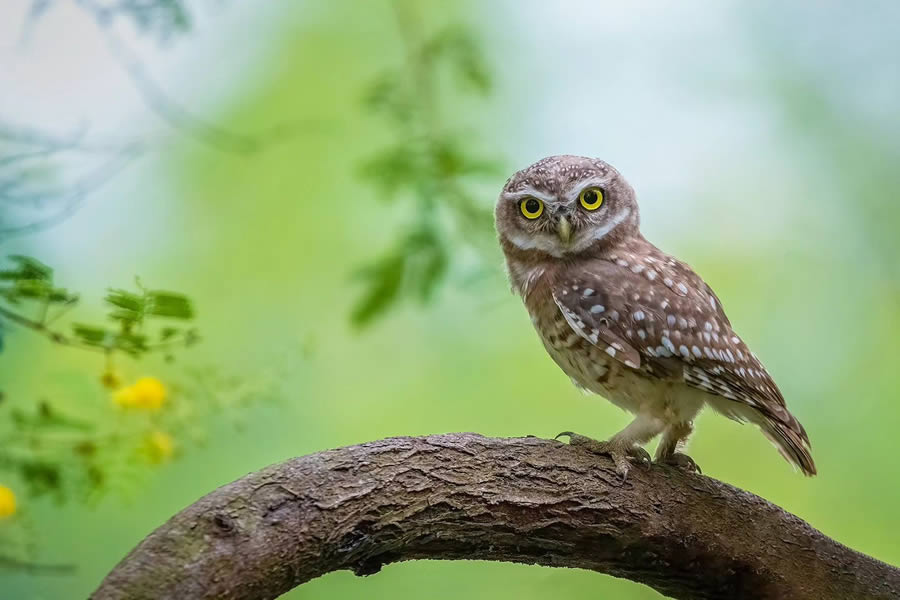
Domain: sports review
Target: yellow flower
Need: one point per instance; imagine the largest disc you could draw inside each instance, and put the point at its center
(7, 502)
(161, 446)
(147, 393)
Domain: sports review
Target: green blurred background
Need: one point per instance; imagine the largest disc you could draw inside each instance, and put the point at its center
(763, 140)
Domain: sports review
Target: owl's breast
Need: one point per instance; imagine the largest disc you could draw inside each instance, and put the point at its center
(588, 366)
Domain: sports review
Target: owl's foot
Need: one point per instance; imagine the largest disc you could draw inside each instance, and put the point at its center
(680, 461)
(619, 453)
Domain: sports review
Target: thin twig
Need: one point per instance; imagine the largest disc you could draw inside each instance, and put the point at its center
(34, 568)
(41, 328)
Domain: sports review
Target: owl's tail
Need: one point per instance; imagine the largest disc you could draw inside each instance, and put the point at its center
(779, 426)
(791, 441)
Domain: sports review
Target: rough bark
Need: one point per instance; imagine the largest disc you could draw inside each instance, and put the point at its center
(464, 496)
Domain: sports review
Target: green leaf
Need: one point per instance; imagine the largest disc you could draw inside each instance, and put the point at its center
(384, 279)
(432, 273)
(389, 95)
(134, 344)
(191, 337)
(461, 51)
(28, 268)
(126, 300)
(395, 168)
(93, 336)
(169, 304)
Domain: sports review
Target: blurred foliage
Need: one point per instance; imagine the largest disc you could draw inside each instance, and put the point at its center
(81, 456)
(108, 447)
(163, 19)
(111, 445)
(427, 166)
(143, 319)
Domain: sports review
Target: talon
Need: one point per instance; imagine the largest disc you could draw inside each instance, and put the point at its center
(568, 434)
(681, 461)
(641, 455)
(619, 453)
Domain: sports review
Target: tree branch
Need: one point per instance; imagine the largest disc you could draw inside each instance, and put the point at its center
(464, 496)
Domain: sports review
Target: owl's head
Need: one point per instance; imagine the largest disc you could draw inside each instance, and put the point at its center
(565, 206)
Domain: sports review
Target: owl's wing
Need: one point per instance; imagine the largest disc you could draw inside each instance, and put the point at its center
(665, 321)
(670, 326)
(589, 312)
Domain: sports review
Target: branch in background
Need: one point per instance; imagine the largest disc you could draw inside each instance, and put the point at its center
(463, 496)
(188, 124)
(29, 157)
(33, 568)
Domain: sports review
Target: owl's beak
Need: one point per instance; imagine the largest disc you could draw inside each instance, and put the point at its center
(564, 230)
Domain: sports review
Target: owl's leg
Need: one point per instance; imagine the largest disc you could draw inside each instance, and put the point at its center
(674, 438)
(624, 445)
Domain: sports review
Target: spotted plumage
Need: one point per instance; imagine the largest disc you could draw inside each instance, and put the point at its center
(625, 320)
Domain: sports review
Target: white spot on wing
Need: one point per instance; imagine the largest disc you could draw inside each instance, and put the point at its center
(668, 344)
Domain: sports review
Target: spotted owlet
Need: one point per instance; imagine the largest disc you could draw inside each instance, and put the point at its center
(627, 321)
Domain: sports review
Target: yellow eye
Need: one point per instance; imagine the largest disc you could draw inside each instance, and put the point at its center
(591, 198)
(532, 208)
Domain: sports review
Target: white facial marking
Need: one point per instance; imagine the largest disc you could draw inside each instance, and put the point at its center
(582, 242)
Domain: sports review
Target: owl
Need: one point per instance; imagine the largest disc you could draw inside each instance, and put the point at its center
(625, 320)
